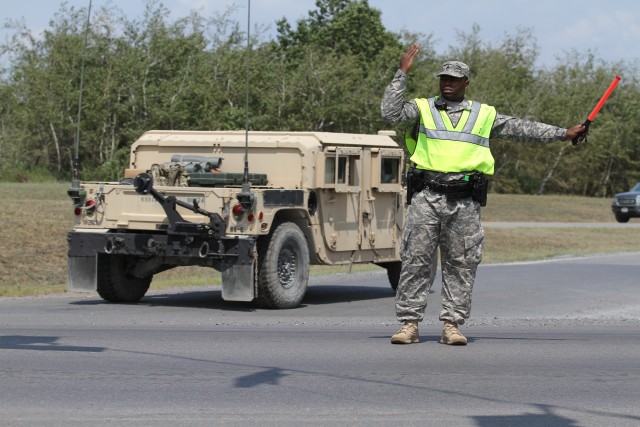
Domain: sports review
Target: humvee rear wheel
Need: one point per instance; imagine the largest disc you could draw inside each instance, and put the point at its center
(115, 284)
(393, 272)
(283, 267)
(395, 267)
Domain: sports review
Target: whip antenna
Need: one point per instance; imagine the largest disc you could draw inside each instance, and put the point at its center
(245, 178)
(246, 197)
(75, 192)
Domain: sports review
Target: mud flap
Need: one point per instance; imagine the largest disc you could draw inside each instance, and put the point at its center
(239, 274)
(82, 274)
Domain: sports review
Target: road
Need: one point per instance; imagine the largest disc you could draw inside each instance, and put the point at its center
(614, 225)
(550, 344)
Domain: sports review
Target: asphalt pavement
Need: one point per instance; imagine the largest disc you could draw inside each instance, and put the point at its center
(552, 343)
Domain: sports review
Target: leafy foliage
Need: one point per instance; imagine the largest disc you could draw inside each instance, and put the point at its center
(326, 72)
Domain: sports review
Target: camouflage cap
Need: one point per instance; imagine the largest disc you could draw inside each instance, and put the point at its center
(455, 69)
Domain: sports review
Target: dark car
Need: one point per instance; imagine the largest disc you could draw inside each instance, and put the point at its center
(627, 205)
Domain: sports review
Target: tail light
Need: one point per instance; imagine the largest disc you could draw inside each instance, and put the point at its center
(237, 210)
(89, 208)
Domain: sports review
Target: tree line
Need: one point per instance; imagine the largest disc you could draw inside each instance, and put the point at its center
(326, 72)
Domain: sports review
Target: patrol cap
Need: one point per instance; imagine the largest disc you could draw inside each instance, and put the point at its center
(454, 69)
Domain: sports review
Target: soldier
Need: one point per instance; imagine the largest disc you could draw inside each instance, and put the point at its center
(448, 139)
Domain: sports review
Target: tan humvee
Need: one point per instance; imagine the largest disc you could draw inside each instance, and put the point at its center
(312, 198)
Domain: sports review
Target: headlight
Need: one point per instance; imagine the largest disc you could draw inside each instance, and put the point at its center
(615, 202)
(637, 200)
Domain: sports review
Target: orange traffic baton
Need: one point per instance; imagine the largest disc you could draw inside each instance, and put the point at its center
(582, 135)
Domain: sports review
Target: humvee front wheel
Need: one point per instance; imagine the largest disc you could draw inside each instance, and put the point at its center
(115, 283)
(283, 267)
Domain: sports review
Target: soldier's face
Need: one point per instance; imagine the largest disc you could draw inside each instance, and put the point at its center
(452, 88)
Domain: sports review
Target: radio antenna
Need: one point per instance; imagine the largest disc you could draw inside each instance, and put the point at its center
(246, 197)
(75, 192)
(245, 178)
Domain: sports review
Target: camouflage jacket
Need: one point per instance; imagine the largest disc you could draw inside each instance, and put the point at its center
(405, 114)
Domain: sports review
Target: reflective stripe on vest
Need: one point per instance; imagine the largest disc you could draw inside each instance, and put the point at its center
(445, 148)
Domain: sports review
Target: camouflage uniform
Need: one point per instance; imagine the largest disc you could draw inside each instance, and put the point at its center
(435, 219)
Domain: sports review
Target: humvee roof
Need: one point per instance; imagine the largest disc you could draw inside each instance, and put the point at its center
(158, 137)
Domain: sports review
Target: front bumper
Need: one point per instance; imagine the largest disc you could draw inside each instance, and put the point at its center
(630, 211)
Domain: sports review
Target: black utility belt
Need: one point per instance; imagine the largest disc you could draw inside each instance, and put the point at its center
(462, 188)
(474, 185)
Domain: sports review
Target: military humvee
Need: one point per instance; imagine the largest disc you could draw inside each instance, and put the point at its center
(310, 198)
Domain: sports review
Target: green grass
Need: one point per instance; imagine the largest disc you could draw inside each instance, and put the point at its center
(518, 207)
(34, 221)
(36, 217)
(531, 244)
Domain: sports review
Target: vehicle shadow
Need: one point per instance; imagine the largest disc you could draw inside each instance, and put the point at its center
(211, 298)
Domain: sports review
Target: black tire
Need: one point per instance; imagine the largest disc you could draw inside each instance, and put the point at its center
(395, 267)
(283, 267)
(393, 272)
(622, 218)
(114, 282)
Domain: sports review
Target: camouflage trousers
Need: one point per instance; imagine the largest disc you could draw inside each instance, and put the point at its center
(454, 225)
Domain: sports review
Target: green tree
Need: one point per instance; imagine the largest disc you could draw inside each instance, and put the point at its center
(44, 91)
(326, 72)
(343, 27)
(335, 66)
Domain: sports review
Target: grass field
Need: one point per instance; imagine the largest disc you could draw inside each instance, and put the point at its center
(35, 219)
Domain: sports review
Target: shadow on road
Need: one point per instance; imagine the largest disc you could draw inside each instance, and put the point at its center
(212, 298)
(23, 342)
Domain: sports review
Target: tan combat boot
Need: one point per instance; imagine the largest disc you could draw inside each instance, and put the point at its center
(408, 334)
(451, 335)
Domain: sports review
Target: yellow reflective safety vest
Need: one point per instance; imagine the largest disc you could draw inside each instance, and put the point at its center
(444, 148)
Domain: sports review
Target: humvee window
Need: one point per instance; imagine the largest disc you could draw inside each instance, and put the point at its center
(386, 169)
(346, 172)
(389, 170)
(353, 171)
(329, 170)
(342, 170)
